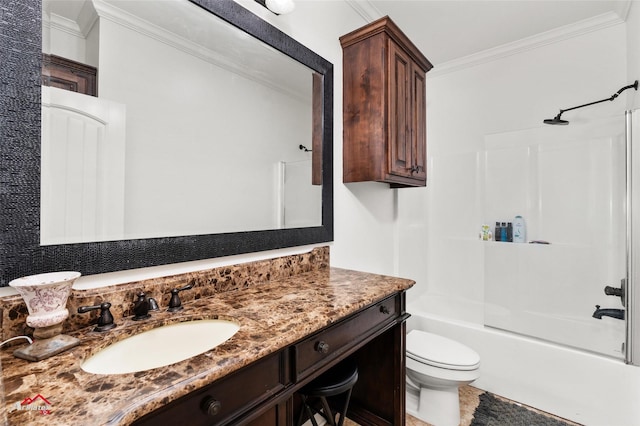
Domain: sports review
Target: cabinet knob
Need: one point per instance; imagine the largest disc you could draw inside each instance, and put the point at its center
(322, 347)
(211, 406)
(384, 310)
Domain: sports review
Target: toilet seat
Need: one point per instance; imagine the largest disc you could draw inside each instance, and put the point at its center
(440, 352)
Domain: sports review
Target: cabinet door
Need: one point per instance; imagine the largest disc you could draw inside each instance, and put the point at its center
(399, 113)
(418, 125)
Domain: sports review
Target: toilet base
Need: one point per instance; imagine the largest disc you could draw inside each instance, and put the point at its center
(439, 407)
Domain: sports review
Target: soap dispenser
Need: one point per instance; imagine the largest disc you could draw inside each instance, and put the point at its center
(519, 231)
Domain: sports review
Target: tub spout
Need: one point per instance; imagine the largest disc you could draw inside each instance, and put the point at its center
(608, 312)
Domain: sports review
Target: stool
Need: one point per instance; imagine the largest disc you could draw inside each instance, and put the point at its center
(336, 381)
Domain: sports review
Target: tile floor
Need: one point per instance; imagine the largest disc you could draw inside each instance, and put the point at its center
(469, 401)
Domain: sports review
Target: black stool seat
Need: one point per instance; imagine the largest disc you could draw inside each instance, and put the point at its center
(338, 380)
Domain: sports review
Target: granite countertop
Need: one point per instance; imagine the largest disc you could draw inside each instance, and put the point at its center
(271, 316)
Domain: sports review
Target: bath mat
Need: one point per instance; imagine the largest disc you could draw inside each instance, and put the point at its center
(496, 412)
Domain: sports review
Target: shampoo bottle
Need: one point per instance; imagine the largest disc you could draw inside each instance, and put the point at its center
(519, 231)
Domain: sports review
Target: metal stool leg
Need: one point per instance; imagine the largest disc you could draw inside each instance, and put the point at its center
(343, 413)
(306, 409)
(328, 414)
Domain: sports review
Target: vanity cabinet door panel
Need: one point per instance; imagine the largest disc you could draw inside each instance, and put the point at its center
(226, 399)
(418, 126)
(400, 112)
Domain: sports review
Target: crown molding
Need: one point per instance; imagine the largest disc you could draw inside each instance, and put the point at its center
(170, 38)
(87, 18)
(623, 8)
(365, 9)
(566, 32)
(61, 24)
(369, 13)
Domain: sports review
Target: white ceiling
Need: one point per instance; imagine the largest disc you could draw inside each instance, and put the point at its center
(447, 30)
(450, 31)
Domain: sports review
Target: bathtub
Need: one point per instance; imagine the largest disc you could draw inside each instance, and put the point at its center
(583, 387)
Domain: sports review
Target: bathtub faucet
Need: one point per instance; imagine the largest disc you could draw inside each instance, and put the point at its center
(608, 312)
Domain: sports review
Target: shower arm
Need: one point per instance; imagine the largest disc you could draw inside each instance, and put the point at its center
(615, 95)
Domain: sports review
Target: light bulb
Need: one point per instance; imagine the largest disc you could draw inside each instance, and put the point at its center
(281, 7)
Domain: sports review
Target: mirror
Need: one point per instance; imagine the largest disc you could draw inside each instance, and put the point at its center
(195, 127)
(136, 247)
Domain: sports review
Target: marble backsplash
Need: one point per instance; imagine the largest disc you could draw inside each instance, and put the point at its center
(206, 283)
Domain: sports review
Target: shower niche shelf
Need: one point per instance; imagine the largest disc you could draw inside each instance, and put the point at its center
(384, 110)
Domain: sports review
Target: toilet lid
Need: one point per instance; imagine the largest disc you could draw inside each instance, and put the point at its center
(440, 352)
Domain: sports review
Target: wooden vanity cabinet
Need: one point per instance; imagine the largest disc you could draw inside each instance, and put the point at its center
(384, 106)
(229, 398)
(264, 392)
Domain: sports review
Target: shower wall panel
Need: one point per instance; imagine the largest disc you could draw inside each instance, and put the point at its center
(569, 185)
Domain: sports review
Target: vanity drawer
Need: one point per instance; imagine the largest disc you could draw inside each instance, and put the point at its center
(224, 400)
(315, 351)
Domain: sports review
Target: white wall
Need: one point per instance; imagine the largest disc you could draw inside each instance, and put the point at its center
(512, 93)
(170, 116)
(364, 213)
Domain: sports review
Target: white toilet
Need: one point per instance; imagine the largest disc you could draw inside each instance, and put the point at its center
(436, 368)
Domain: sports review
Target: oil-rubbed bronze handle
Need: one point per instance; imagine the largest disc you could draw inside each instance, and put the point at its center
(175, 304)
(384, 310)
(322, 347)
(211, 406)
(105, 320)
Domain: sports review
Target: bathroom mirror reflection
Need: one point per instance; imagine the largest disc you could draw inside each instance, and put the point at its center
(196, 127)
(22, 251)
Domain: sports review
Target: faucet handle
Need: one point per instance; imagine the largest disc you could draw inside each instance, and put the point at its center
(617, 291)
(105, 320)
(174, 303)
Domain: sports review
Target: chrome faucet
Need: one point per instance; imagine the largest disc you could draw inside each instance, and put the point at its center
(608, 312)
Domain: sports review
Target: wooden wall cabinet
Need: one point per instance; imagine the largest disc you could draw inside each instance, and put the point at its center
(384, 106)
(66, 74)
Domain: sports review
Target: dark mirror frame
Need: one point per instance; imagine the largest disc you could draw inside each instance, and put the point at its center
(20, 114)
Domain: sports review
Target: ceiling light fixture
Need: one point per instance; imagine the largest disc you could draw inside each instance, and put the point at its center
(279, 7)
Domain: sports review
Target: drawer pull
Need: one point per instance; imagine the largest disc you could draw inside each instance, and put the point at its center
(211, 406)
(384, 310)
(322, 347)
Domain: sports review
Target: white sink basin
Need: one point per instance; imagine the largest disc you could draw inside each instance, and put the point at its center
(160, 346)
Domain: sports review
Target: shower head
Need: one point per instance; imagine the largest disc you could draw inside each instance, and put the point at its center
(556, 121)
